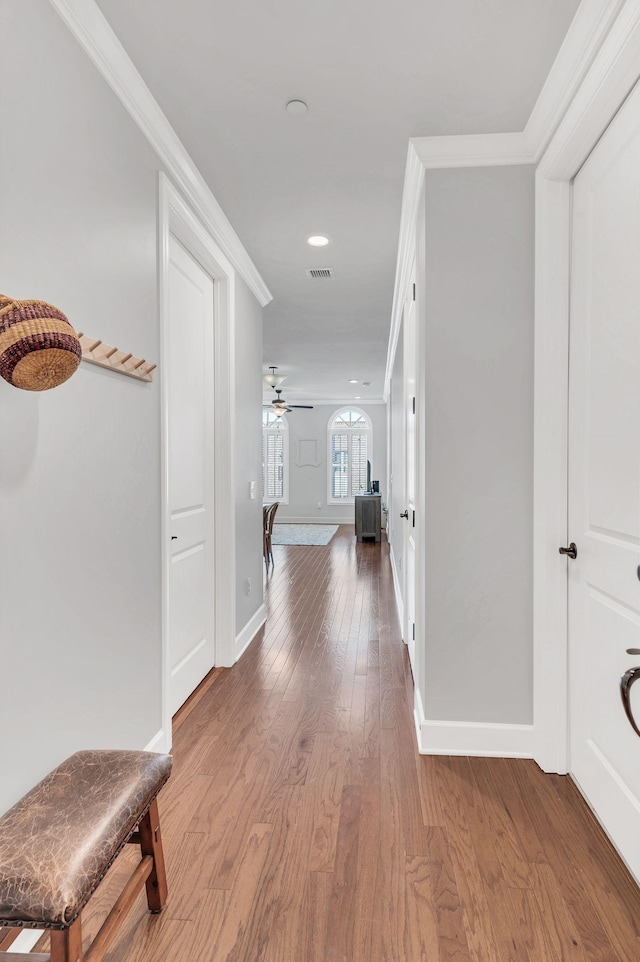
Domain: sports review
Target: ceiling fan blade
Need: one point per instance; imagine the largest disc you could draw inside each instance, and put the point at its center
(308, 407)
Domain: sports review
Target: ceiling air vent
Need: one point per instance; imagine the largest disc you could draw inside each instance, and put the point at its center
(319, 273)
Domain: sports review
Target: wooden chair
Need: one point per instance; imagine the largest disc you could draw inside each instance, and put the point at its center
(265, 549)
(269, 514)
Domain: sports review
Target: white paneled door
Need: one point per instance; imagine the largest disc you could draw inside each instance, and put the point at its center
(410, 353)
(190, 642)
(604, 479)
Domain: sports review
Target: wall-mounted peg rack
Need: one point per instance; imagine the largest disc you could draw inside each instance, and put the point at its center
(95, 351)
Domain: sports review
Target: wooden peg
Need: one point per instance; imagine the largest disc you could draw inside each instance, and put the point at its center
(113, 359)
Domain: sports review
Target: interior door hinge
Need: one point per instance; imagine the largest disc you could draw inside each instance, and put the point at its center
(414, 292)
(414, 518)
(413, 405)
(413, 631)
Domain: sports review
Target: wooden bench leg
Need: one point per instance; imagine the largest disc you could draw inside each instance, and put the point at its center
(151, 844)
(66, 946)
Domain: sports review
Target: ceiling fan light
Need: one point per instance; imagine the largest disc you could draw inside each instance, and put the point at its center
(274, 380)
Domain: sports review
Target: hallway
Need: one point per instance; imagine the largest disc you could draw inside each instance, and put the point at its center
(301, 825)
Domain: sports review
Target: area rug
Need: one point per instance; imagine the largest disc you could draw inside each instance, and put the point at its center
(303, 533)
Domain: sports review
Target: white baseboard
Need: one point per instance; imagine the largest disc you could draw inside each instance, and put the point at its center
(158, 743)
(250, 630)
(396, 589)
(472, 738)
(26, 940)
(418, 716)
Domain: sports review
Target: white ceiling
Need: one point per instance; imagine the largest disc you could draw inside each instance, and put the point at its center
(373, 74)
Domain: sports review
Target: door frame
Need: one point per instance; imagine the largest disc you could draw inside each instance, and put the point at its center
(177, 218)
(604, 87)
(409, 525)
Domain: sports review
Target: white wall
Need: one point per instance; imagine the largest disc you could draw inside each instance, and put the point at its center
(80, 589)
(309, 485)
(478, 364)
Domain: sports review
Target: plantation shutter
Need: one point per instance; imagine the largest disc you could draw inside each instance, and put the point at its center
(273, 465)
(358, 464)
(339, 465)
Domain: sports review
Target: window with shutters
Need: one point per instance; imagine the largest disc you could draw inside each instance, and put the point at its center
(349, 449)
(275, 458)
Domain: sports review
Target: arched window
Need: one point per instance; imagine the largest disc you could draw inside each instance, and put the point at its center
(275, 458)
(349, 448)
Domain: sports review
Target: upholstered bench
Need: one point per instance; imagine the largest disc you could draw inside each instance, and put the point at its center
(57, 843)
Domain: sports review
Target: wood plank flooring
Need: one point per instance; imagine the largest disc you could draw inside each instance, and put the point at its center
(301, 825)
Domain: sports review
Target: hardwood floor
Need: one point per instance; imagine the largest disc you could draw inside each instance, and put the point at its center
(301, 825)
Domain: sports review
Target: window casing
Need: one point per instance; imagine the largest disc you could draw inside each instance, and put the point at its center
(349, 448)
(275, 458)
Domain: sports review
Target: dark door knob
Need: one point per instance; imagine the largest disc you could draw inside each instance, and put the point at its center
(405, 514)
(571, 551)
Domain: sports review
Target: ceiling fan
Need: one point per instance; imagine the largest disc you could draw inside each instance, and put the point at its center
(279, 405)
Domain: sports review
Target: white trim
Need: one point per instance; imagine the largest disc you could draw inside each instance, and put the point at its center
(613, 73)
(418, 713)
(471, 738)
(472, 150)
(26, 940)
(474, 738)
(250, 630)
(412, 190)
(584, 38)
(92, 31)
(177, 218)
(396, 589)
(158, 743)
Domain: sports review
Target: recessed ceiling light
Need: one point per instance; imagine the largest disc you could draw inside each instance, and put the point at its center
(317, 240)
(297, 107)
(353, 381)
(357, 397)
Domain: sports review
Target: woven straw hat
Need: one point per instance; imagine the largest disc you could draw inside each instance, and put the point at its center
(38, 347)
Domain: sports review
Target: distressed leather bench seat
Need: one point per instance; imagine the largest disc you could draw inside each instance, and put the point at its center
(57, 843)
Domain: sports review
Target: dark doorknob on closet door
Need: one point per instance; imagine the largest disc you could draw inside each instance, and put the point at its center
(571, 551)
(405, 514)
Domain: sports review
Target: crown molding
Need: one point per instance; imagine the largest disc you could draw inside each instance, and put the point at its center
(92, 31)
(597, 26)
(472, 150)
(590, 27)
(611, 76)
